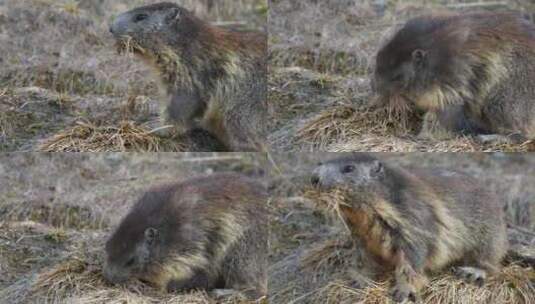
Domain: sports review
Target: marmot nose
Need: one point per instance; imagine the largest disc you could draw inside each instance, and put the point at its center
(315, 180)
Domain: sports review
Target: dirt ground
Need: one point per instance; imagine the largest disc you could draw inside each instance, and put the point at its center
(314, 260)
(63, 87)
(321, 57)
(56, 211)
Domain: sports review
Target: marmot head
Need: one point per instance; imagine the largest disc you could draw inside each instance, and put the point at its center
(138, 241)
(150, 28)
(354, 172)
(422, 56)
(129, 253)
(151, 232)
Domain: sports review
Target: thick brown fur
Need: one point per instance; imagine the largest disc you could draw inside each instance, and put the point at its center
(419, 221)
(215, 77)
(471, 74)
(204, 233)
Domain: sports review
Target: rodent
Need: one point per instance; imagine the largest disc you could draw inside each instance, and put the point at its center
(215, 77)
(208, 232)
(417, 222)
(471, 74)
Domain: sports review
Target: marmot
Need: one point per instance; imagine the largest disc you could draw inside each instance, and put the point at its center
(471, 74)
(205, 233)
(215, 77)
(418, 221)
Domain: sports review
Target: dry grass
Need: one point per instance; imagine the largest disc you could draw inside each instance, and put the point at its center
(329, 254)
(87, 137)
(348, 122)
(511, 285)
(343, 128)
(80, 280)
(329, 202)
(514, 284)
(58, 214)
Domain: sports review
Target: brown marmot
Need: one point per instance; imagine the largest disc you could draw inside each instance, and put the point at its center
(205, 233)
(215, 77)
(471, 74)
(418, 221)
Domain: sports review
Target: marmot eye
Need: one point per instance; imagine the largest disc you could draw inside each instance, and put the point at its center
(348, 169)
(140, 17)
(130, 262)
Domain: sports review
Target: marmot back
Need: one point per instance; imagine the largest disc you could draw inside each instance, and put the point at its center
(418, 221)
(207, 232)
(471, 73)
(215, 78)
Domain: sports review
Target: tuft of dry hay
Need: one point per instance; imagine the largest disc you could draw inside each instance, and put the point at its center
(340, 292)
(79, 280)
(348, 121)
(329, 201)
(88, 137)
(528, 146)
(331, 253)
(64, 278)
(129, 47)
(387, 129)
(512, 285)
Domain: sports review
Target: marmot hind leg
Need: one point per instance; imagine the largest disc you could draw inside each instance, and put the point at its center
(199, 280)
(471, 275)
(245, 266)
(449, 122)
(486, 261)
(478, 273)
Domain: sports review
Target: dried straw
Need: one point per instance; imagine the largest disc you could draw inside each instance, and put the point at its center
(88, 137)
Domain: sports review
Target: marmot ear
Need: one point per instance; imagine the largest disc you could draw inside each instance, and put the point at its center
(174, 15)
(377, 168)
(419, 56)
(151, 235)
